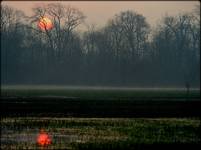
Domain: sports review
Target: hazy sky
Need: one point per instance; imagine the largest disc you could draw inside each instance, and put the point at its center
(98, 12)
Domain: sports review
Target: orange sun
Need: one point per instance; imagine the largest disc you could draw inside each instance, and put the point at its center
(45, 24)
(43, 139)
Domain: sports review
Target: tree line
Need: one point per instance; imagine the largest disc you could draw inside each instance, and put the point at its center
(125, 52)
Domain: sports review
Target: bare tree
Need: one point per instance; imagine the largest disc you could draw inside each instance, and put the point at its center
(177, 46)
(135, 29)
(65, 20)
(11, 41)
(115, 54)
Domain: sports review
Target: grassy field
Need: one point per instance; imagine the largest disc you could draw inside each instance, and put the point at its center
(100, 118)
(99, 102)
(99, 133)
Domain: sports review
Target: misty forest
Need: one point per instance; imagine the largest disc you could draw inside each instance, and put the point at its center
(126, 51)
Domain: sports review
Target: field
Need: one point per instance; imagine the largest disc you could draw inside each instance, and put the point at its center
(100, 133)
(99, 102)
(100, 118)
(95, 93)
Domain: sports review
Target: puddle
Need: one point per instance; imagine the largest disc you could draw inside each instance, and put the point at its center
(30, 136)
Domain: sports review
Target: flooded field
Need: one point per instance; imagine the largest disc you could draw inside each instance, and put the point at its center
(87, 133)
(99, 118)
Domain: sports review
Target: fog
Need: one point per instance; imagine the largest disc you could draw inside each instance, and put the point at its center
(125, 52)
(91, 88)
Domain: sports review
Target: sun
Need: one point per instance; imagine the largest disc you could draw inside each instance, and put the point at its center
(45, 24)
(43, 139)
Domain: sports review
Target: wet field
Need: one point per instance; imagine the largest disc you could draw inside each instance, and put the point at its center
(100, 118)
(87, 133)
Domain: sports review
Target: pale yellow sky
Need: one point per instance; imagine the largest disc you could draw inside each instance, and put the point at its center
(98, 12)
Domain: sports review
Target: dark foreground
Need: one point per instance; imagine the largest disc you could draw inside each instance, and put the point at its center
(99, 102)
(75, 107)
(101, 119)
(102, 133)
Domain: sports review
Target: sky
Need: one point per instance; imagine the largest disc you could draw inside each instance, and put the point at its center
(99, 12)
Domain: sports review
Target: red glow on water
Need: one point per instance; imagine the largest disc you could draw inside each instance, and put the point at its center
(44, 139)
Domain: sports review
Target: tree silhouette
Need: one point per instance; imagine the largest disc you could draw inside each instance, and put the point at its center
(125, 52)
